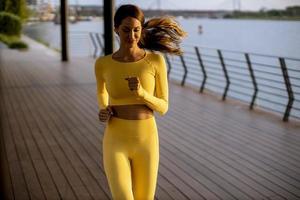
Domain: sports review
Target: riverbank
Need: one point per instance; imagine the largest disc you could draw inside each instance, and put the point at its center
(290, 14)
(273, 18)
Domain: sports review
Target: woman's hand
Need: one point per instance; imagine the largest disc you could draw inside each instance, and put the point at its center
(104, 114)
(134, 85)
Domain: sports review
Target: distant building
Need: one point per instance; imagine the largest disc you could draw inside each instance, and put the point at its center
(37, 2)
(88, 10)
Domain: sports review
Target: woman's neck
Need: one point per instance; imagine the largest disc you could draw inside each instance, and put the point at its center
(129, 54)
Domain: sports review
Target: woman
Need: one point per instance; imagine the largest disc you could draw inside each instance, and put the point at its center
(131, 84)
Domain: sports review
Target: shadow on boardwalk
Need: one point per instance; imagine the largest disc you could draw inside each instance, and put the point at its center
(51, 139)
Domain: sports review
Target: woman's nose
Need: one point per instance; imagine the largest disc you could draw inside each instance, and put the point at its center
(131, 34)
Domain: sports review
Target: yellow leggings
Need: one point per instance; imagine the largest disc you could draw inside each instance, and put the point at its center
(131, 156)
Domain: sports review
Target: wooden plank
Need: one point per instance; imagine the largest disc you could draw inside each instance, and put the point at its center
(6, 186)
(191, 181)
(16, 174)
(247, 135)
(72, 153)
(46, 184)
(267, 128)
(265, 159)
(185, 129)
(79, 173)
(62, 158)
(289, 178)
(29, 173)
(77, 147)
(46, 180)
(192, 141)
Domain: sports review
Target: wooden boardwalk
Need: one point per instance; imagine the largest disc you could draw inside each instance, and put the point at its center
(51, 139)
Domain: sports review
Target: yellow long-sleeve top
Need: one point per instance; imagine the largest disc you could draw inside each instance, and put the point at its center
(112, 88)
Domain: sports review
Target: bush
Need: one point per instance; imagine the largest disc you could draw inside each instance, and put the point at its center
(10, 24)
(18, 45)
(13, 42)
(8, 39)
(16, 7)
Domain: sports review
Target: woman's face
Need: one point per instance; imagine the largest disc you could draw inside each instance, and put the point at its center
(129, 31)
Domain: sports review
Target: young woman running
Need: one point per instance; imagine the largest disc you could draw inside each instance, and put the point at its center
(131, 84)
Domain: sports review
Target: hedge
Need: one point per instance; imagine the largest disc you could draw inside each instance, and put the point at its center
(10, 24)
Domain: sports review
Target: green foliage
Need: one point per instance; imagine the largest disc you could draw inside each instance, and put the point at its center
(18, 45)
(291, 13)
(275, 13)
(12, 12)
(10, 24)
(13, 42)
(2, 5)
(17, 7)
(7, 39)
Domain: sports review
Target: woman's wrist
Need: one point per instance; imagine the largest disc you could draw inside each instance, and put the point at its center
(140, 92)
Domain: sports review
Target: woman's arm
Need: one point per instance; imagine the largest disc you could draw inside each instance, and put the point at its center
(102, 95)
(158, 101)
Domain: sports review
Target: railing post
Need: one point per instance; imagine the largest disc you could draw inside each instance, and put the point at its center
(168, 64)
(64, 30)
(94, 44)
(108, 10)
(253, 80)
(185, 70)
(202, 68)
(225, 74)
(288, 88)
(101, 47)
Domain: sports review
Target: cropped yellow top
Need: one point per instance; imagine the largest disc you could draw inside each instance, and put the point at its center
(112, 88)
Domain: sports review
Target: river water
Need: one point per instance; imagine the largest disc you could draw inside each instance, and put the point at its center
(278, 38)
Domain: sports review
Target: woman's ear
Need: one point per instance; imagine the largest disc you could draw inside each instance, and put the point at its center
(116, 31)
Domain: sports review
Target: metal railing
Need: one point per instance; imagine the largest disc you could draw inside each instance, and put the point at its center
(270, 82)
(98, 43)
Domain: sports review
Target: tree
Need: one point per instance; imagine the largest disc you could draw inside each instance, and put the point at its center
(17, 7)
(2, 5)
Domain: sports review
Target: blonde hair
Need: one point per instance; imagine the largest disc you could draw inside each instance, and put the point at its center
(162, 34)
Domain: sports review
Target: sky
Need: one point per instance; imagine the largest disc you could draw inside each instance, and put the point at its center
(197, 4)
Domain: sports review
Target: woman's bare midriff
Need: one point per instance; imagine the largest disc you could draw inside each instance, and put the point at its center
(132, 112)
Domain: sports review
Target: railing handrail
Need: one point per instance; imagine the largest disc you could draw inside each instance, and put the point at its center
(243, 52)
(267, 86)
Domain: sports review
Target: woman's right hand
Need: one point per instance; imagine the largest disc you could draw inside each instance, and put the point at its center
(104, 114)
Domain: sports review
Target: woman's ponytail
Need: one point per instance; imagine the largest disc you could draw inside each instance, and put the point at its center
(162, 34)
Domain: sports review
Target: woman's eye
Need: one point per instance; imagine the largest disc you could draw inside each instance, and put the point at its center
(128, 30)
